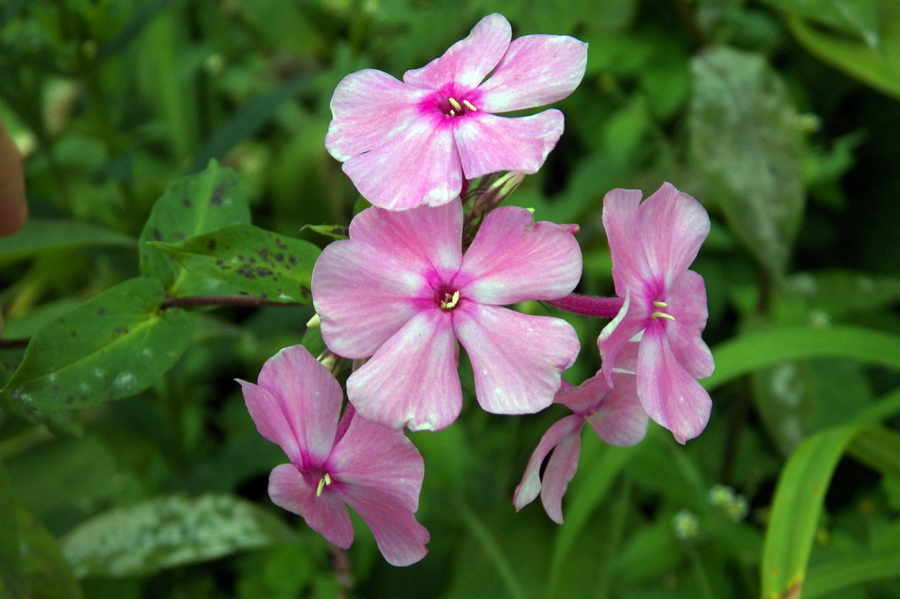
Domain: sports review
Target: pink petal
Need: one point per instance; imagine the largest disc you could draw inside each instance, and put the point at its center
(614, 337)
(535, 71)
(296, 405)
(514, 259)
(674, 226)
(379, 473)
(620, 418)
(411, 380)
(417, 166)
(687, 304)
(517, 359)
(468, 61)
(621, 219)
(365, 288)
(530, 485)
(488, 143)
(586, 396)
(559, 471)
(370, 108)
(325, 514)
(668, 393)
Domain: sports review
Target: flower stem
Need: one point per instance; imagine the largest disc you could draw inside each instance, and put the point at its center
(587, 305)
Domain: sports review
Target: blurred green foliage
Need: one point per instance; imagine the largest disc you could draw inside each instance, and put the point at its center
(781, 116)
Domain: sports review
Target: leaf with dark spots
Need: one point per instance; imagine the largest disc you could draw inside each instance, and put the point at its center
(190, 206)
(250, 259)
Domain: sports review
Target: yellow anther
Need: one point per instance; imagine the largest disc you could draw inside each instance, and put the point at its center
(660, 304)
(469, 106)
(314, 323)
(325, 480)
(455, 105)
(662, 315)
(452, 113)
(449, 302)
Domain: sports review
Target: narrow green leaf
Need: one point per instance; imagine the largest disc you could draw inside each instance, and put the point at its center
(46, 572)
(601, 467)
(849, 570)
(796, 508)
(251, 260)
(41, 234)
(190, 206)
(333, 231)
(856, 17)
(484, 537)
(114, 345)
(751, 352)
(746, 141)
(878, 448)
(170, 531)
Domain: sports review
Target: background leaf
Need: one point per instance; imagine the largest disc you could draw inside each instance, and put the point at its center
(41, 234)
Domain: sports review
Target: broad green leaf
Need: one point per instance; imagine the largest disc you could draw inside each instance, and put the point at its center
(10, 554)
(795, 510)
(170, 531)
(114, 345)
(600, 468)
(879, 69)
(190, 206)
(333, 231)
(849, 570)
(856, 17)
(40, 234)
(45, 570)
(251, 260)
(746, 142)
(753, 351)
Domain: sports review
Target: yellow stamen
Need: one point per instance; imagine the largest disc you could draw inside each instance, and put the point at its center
(660, 304)
(469, 106)
(662, 315)
(325, 480)
(452, 112)
(449, 301)
(455, 105)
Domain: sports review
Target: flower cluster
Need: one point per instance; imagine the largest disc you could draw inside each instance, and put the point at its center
(430, 268)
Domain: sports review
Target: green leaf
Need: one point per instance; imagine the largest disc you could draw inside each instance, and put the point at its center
(46, 572)
(114, 345)
(190, 206)
(10, 554)
(333, 231)
(746, 141)
(856, 17)
(879, 69)
(796, 508)
(849, 570)
(878, 448)
(170, 531)
(753, 351)
(251, 260)
(40, 235)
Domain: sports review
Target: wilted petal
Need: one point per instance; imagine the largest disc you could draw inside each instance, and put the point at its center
(518, 359)
(469, 60)
(364, 288)
(687, 304)
(514, 259)
(419, 165)
(621, 220)
(530, 485)
(370, 108)
(674, 226)
(411, 380)
(379, 473)
(488, 143)
(669, 394)
(559, 471)
(620, 419)
(325, 514)
(535, 71)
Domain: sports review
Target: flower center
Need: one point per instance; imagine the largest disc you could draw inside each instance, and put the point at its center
(447, 301)
(661, 314)
(451, 107)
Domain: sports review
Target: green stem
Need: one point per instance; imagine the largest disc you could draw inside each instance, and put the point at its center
(702, 578)
(483, 536)
(617, 529)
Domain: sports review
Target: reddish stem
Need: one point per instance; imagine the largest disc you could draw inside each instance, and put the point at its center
(587, 305)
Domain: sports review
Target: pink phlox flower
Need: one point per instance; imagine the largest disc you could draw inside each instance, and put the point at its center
(651, 246)
(401, 291)
(375, 470)
(409, 143)
(615, 414)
